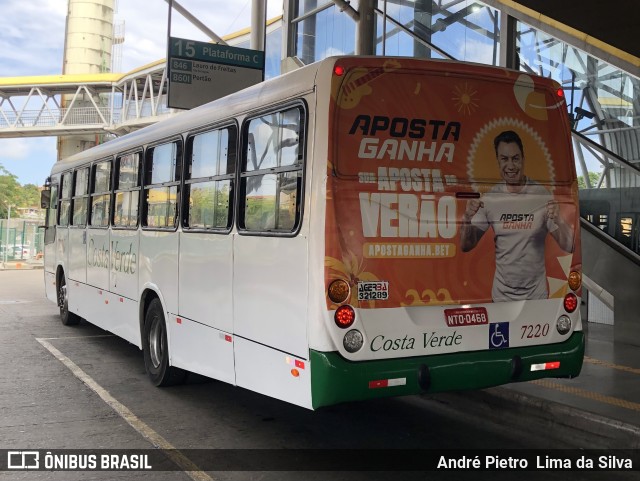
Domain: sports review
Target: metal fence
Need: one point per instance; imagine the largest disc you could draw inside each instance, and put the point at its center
(21, 240)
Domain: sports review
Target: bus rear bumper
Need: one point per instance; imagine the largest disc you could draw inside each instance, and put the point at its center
(335, 379)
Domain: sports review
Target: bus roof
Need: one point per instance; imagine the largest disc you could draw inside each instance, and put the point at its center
(270, 92)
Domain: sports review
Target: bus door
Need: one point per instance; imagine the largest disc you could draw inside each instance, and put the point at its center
(125, 254)
(271, 263)
(64, 219)
(50, 239)
(206, 256)
(77, 267)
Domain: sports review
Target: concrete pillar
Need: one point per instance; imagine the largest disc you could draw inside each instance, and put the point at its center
(87, 50)
(258, 24)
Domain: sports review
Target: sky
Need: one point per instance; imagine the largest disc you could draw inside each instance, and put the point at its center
(32, 42)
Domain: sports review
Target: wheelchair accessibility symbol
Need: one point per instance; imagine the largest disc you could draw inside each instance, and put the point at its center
(498, 335)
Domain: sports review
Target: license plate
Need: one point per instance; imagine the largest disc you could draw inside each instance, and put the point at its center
(470, 316)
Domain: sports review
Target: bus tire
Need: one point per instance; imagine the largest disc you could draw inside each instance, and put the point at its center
(67, 318)
(156, 348)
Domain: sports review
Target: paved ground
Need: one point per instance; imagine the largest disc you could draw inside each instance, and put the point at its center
(77, 388)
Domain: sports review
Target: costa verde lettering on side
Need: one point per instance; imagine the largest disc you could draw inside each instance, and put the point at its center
(123, 260)
(98, 256)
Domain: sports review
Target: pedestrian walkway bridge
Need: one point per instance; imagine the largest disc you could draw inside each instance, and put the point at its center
(54, 105)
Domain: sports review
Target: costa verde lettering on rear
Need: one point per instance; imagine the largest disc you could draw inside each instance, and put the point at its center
(428, 341)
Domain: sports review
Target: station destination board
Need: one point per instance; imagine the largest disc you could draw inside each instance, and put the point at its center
(200, 72)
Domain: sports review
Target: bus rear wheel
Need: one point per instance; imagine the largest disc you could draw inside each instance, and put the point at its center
(156, 348)
(67, 318)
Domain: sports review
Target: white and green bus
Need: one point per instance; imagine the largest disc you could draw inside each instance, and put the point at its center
(360, 227)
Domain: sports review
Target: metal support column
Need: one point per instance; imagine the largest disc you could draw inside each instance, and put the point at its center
(258, 24)
(365, 29)
(289, 29)
(508, 49)
(423, 16)
(307, 52)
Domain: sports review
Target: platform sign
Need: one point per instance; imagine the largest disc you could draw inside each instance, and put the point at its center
(200, 72)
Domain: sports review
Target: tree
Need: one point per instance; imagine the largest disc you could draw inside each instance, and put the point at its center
(14, 194)
(593, 179)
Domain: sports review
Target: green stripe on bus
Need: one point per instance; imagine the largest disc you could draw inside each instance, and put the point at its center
(336, 380)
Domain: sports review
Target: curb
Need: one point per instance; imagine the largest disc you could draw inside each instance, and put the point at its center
(511, 409)
(20, 266)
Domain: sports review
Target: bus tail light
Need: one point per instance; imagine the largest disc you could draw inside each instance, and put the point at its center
(345, 316)
(353, 341)
(563, 325)
(570, 302)
(575, 280)
(339, 291)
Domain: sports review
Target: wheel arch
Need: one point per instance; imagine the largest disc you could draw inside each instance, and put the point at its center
(59, 274)
(170, 375)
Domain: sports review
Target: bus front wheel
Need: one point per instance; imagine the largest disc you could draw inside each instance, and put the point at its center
(156, 349)
(67, 318)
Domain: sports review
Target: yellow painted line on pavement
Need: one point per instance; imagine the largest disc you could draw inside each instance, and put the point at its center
(599, 362)
(193, 471)
(594, 396)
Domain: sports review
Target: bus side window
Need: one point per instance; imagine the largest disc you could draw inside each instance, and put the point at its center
(80, 197)
(211, 167)
(65, 200)
(127, 190)
(161, 180)
(271, 177)
(100, 194)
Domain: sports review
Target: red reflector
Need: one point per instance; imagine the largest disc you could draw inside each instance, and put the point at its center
(178, 320)
(228, 338)
(560, 93)
(300, 364)
(570, 302)
(545, 366)
(377, 384)
(345, 316)
(338, 70)
(121, 299)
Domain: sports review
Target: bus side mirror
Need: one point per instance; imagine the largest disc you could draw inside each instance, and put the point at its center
(45, 198)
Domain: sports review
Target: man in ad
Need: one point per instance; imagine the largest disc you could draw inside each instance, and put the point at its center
(521, 213)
